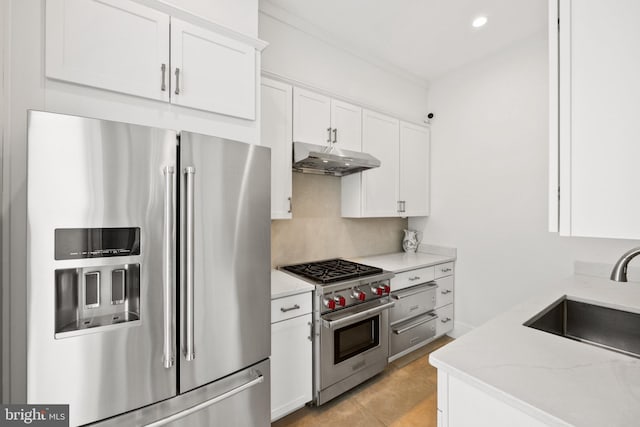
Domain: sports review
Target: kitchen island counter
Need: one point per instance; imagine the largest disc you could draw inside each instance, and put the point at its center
(550, 379)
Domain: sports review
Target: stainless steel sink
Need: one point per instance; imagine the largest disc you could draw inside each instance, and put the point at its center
(604, 327)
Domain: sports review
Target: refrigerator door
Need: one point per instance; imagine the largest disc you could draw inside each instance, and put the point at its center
(225, 257)
(239, 400)
(101, 257)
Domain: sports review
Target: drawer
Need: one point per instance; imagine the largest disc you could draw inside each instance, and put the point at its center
(444, 294)
(413, 301)
(414, 331)
(442, 270)
(291, 306)
(445, 320)
(412, 278)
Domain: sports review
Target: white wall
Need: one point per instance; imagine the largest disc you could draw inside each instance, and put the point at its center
(489, 184)
(301, 56)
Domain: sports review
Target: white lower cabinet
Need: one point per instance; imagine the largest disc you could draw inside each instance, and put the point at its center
(461, 404)
(291, 355)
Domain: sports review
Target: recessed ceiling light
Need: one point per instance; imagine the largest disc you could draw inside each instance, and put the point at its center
(479, 21)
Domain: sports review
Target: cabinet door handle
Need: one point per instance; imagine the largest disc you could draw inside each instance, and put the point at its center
(177, 81)
(445, 270)
(335, 136)
(446, 291)
(310, 325)
(329, 135)
(414, 278)
(290, 206)
(404, 206)
(294, 307)
(446, 320)
(399, 206)
(163, 68)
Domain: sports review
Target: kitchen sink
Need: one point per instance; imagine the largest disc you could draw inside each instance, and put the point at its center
(604, 327)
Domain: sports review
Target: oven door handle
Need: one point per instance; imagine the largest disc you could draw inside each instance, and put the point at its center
(334, 324)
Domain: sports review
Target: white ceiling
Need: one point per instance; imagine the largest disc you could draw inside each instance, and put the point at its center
(425, 38)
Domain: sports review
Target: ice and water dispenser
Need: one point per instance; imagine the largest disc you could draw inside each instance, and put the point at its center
(101, 293)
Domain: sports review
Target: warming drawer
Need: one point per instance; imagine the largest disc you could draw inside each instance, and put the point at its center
(405, 335)
(414, 301)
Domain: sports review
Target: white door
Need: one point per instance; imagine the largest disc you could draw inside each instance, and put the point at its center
(276, 132)
(311, 117)
(211, 72)
(291, 365)
(346, 122)
(381, 139)
(414, 169)
(117, 45)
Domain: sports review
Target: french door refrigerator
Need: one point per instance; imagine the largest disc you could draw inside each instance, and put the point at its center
(148, 274)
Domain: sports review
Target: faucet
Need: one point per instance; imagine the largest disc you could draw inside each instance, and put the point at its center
(619, 272)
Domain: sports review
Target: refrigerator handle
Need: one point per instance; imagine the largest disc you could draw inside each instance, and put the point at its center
(189, 351)
(168, 358)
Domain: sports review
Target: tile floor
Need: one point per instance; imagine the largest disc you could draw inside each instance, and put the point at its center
(404, 394)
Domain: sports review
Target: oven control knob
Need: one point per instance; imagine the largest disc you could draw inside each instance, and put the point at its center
(329, 303)
(340, 300)
(387, 289)
(378, 290)
(358, 294)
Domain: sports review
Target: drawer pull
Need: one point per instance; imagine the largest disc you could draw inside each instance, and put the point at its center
(445, 270)
(422, 288)
(414, 278)
(446, 320)
(446, 291)
(284, 310)
(415, 325)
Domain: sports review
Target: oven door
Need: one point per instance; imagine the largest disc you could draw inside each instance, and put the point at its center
(353, 340)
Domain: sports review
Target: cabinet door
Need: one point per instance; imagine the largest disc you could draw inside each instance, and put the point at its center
(380, 138)
(445, 320)
(291, 368)
(117, 45)
(211, 72)
(414, 169)
(311, 117)
(346, 122)
(599, 109)
(276, 132)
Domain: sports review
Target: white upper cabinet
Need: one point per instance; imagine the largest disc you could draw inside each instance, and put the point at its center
(346, 125)
(212, 72)
(595, 161)
(311, 117)
(276, 129)
(380, 138)
(111, 44)
(414, 170)
(320, 120)
(123, 46)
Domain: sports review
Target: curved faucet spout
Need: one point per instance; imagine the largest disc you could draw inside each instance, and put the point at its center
(619, 272)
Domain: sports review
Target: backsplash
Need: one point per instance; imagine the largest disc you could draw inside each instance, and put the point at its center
(317, 231)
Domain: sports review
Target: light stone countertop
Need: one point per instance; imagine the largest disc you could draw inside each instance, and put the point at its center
(404, 261)
(284, 285)
(554, 379)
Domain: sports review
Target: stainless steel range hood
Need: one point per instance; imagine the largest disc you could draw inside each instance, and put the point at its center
(330, 160)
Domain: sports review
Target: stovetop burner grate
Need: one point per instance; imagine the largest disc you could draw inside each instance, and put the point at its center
(332, 270)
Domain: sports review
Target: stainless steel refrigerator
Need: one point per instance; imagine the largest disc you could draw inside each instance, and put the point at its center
(148, 274)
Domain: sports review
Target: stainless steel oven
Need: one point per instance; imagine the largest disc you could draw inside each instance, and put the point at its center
(354, 346)
(351, 323)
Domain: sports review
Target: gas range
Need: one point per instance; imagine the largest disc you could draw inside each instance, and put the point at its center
(340, 283)
(350, 323)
